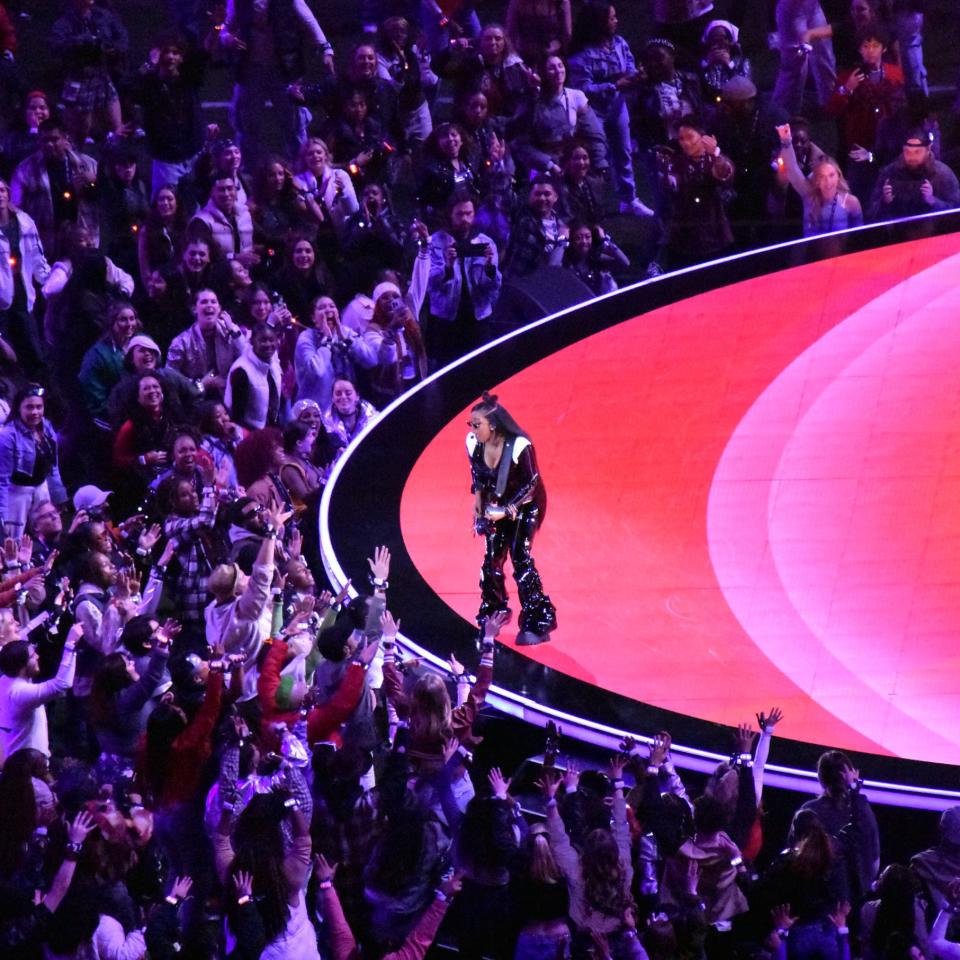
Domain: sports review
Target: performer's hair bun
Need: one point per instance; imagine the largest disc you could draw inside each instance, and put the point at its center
(490, 398)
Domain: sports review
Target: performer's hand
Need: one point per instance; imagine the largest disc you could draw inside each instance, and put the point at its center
(512, 511)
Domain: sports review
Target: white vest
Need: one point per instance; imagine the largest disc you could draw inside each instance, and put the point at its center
(257, 373)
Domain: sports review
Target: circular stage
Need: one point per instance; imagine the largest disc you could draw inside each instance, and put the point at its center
(751, 469)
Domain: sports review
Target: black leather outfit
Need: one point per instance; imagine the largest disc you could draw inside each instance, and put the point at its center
(518, 485)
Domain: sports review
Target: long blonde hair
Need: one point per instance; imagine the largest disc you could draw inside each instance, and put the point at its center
(816, 200)
(542, 864)
(430, 711)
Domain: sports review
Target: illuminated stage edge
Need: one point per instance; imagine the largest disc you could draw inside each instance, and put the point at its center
(567, 327)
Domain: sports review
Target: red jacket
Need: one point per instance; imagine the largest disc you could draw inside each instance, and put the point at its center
(192, 749)
(323, 721)
(860, 112)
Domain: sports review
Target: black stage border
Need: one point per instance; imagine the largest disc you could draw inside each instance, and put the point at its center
(361, 506)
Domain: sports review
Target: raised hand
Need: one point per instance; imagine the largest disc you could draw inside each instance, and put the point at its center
(380, 563)
(548, 783)
(296, 543)
(781, 917)
(838, 915)
(615, 766)
(571, 777)
(169, 549)
(243, 882)
(389, 628)
(494, 624)
(368, 652)
(181, 887)
(82, 825)
(167, 632)
(452, 885)
(767, 721)
(456, 667)
(307, 604)
(450, 746)
(324, 870)
(659, 749)
(498, 783)
(744, 738)
(25, 551)
(148, 539)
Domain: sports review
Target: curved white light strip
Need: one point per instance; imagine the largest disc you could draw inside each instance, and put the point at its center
(580, 728)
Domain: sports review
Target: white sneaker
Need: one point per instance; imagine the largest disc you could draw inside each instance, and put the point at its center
(635, 208)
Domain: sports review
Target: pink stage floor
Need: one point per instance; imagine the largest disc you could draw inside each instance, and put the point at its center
(754, 500)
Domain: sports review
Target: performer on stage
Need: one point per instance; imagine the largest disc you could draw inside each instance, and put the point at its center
(510, 505)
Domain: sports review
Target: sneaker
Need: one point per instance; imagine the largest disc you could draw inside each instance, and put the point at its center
(635, 208)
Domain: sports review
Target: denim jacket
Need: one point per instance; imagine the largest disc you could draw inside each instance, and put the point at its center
(446, 286)
(18, 452)
(594, 70)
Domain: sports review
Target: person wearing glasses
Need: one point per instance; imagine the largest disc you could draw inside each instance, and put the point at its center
(29, 468)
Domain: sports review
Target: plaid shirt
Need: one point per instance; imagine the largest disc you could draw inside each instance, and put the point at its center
(188, 588)
(530, 247)
(594, 70)
(349, 841)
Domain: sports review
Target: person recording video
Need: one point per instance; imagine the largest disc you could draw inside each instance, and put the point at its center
(464, 283)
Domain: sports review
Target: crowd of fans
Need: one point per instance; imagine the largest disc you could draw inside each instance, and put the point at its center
(224, 760)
